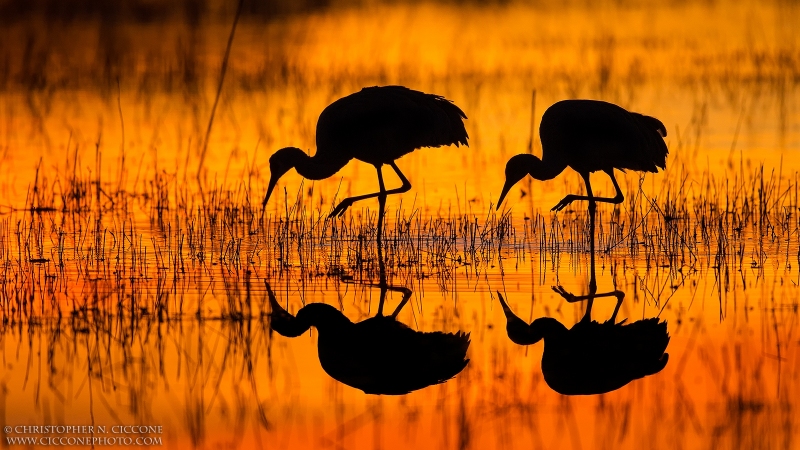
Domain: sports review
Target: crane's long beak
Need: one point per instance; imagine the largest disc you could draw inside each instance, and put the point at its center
(506, 310)
(276, 307)
(506, 187)
(281, 320)
(517, 329)
(272, 182)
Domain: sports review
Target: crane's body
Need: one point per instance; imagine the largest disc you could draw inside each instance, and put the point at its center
(376, 125)
(593, 357)
(378, 355)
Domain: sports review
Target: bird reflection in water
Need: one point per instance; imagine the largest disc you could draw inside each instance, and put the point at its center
(378, 355)
(593, 357)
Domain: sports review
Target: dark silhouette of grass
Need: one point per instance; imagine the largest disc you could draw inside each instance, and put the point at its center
(78, 233)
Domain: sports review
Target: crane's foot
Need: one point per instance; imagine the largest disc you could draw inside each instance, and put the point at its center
(565, 202)
(340, 208)
(567, 296)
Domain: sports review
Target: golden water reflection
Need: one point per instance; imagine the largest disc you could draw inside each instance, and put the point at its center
(214, 382)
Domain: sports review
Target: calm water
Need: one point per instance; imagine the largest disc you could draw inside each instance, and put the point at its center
(130, 296)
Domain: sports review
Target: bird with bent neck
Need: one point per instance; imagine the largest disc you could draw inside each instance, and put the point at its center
(591, 357)
(376, 125)
(590, 136)
(312, 167)
(378, 355)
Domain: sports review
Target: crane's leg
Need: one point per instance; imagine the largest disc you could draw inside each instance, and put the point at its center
(379, 238)
(590, 297)
(592, 209)
(617, 199)
(406, 184)
(384, 287)
(382, 300)
(406, 296)
(346, 203)
(620, 296)
(593, 278)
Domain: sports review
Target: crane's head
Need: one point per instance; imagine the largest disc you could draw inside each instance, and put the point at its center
(523, 334)
(517, 329)
(281, 162)
(516, 169)
(319, 315)
(282, 321)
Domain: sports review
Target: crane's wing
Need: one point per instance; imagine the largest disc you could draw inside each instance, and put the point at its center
(595, 135)
(380, 124)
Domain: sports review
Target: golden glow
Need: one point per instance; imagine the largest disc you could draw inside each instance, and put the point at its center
(722, 77)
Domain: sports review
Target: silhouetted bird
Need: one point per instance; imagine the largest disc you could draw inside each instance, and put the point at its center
(592, 357)
(378, 355)
(591, 135)
(376, 125)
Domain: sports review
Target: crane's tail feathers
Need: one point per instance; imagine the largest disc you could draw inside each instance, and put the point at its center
(662, 130)
(654, 132)
(658, 365)
(651, 123)
(452, 124)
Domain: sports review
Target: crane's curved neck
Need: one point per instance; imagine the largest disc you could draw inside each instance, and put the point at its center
(325, 317)
(317, 167)
(543, 328)
(547, 327)
(544, 169)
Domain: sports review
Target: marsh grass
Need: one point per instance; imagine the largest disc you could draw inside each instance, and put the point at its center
(77, 245)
